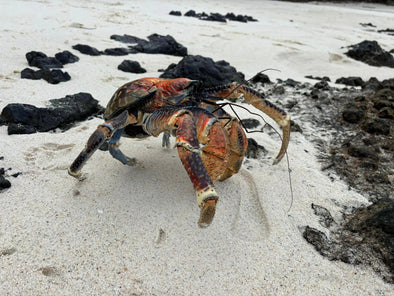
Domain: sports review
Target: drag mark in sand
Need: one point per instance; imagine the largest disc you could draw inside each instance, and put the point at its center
(250, 223)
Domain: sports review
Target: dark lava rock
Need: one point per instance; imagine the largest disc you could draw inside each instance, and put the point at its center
(250, 123)
(86, 49)
(215, 17)
(4, 183)
(291, 82)
(371, 53)
(383, 98)
(375, 226)
(127, 39)
(376, 126)
(372, 85)
(156, 44)
(367, 25)
(388, 31)
(204, 69)
(325, 78)
(386, 112)
(376, 178)
(55, 76)
(353, 113)
(191, 13)
(326, 219)
(177, 13)
(279, 90)
(119, 51)
(31, 74)
(254, 150)
(51, 76)
(66, 57)
(262, 78)
(350, 117)
(58, 114)
(319, 240)
(161, 44)
(351, 81)
(40, 60)
(322, 85)
(360, 151)
(131, 66)
(381, 216)
(221, 18)
(20, 129)
(238, 18)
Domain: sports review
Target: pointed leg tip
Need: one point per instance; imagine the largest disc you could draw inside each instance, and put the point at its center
(276, 161)
(207, 214)
(77, 175)
(73, 174)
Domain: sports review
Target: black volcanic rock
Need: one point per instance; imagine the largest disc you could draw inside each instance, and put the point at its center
(204, 69)
(177, 13)
(318, 78)
(66, 57)
(41, 60)
(55, 76)
(351, 81)
(371, 53)
(156, 44)
(51, 76)
(255, 150)
(131, 66)
(219, 17)
(215, 17)
(119, 51)
(31, 74)
(250, 123)
(377, 126)
(191, 13)
(262, 78)
(127, 39)
(353, 113)
(86, 49)
(58, 114)
(20, 129)
(159, 44)
(4, 183)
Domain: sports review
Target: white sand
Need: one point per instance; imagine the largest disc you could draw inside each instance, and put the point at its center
(132, 230)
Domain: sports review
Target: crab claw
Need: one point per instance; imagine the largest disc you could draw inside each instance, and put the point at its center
(207, 213)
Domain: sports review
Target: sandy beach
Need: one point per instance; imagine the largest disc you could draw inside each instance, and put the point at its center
(133, 230)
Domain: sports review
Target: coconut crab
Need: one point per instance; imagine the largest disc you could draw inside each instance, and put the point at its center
(211, 144)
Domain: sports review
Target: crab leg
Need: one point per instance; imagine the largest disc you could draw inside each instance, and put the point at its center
(256, 99)
(103, 132)
(180, 122)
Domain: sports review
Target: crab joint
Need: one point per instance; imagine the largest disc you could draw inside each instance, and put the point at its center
(205, 195)
(188, 147)
(207, 200)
